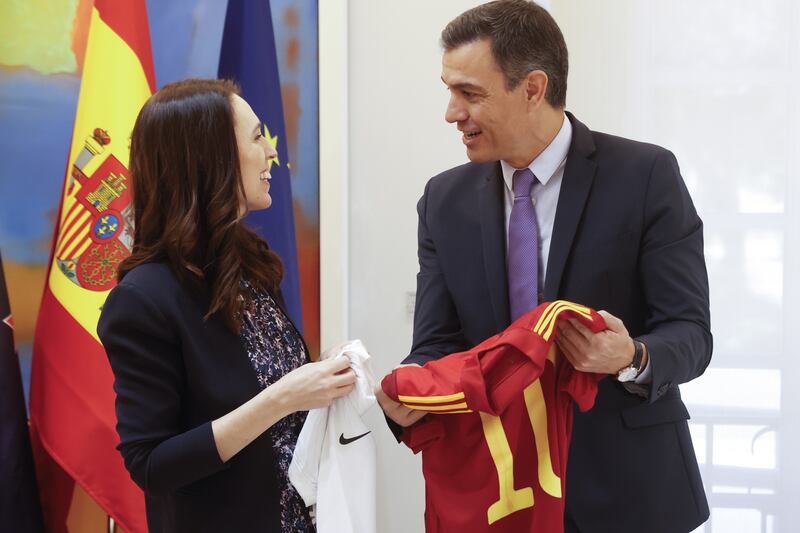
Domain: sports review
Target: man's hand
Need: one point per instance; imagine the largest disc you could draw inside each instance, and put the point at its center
(401, 414)
(397, 411)
(605, 352)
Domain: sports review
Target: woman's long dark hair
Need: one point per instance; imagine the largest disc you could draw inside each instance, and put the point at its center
(187, 187)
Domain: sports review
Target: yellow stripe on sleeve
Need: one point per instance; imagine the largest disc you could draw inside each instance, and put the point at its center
(431, 399)
(449, 408)
(545, 328)
(549, 315)
(545, 315)
(579, 310)
(554, 309)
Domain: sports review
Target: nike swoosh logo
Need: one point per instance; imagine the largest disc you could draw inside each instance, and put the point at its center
(344, 441)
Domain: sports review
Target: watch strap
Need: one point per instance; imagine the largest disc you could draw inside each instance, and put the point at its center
(630, 372)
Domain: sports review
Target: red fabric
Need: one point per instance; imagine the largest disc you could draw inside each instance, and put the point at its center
(128, 19)
(461, 476)
(72, 416)
(57, 497)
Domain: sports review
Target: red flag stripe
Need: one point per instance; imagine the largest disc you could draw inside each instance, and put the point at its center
(78, 249)
(87, 410)
(68, 222)
(76, 243)
(80, 231)
(73, 212)
(77, 240)
(129, 21)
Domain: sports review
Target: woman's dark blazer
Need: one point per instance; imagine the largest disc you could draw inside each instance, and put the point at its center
(175, 373)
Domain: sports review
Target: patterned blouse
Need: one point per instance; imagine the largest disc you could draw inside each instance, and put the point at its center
(275, 348)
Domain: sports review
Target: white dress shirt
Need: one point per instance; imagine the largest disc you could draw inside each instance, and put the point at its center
(549, 171)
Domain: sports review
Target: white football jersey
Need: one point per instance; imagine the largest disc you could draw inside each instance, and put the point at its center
(333, 466)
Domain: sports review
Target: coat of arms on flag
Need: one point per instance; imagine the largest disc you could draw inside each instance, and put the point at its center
(98, 228)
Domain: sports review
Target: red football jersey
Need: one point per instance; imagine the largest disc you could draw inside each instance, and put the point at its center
(498, 462)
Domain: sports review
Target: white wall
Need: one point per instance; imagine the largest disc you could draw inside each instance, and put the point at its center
(398, 139)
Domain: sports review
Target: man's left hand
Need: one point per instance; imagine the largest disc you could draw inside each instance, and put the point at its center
(605, 352)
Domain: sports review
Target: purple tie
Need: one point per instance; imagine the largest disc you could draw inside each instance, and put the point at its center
(523, 247)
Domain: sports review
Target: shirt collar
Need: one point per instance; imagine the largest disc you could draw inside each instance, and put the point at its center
(544, 166)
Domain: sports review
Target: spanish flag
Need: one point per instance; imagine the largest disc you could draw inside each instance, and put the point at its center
(72, 399)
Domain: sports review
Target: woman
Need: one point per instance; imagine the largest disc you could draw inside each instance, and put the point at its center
(212, 378)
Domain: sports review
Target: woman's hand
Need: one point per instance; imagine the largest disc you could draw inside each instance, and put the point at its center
(307, 387)
(315, 384)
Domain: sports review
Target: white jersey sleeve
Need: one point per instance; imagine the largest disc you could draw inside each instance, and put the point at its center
(333, 466)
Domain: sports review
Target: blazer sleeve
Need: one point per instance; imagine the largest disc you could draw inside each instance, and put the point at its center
(149, 381)
(673, 274)
(437, 329)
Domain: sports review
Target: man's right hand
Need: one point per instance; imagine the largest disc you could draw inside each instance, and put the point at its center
(398, 412)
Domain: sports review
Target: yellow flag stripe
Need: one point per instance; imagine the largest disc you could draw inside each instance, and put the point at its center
(79, 233)
(69, 223)
(74, 251)
(78, 229)
(73, 212)
(86, 243)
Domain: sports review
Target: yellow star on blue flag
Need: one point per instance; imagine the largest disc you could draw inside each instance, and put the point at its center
(273, 141)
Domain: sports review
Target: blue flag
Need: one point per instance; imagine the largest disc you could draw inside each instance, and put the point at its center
(249, 57)
(19, 498)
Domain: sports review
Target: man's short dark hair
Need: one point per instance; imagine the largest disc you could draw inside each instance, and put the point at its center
(523, 36)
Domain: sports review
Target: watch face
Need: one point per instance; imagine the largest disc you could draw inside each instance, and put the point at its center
(627, 374)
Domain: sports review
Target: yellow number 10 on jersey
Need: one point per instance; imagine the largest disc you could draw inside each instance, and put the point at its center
(511, 499)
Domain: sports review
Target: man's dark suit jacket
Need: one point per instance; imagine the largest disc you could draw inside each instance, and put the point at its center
(174, 373)
(626, 239)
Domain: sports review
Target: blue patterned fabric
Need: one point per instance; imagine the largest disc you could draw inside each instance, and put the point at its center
(275, 348)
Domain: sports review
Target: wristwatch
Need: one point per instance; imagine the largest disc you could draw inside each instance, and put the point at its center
(630, 372)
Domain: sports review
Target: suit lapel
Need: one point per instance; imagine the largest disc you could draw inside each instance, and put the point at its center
(493, 236)
(575, 186)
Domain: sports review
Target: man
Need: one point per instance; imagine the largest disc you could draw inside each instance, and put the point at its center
(614, 228)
